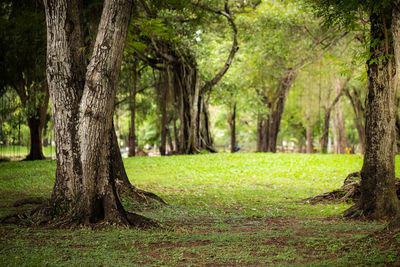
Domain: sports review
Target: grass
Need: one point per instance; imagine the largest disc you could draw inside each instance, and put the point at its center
(20, 152)
(224, 209)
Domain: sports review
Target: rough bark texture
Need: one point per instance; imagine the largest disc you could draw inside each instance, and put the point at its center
(82, 99)
(378, 194)
(268, 128)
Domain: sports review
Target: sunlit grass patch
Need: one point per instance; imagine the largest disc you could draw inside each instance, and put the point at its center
(224, 209)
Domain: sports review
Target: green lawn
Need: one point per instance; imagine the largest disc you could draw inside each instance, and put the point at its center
(20, 152)
(224, 209)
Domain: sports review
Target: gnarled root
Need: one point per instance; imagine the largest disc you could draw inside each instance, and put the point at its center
(141, 196)
(350, 191)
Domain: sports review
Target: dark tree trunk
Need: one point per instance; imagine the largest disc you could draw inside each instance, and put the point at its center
(163, 90)
(132, 107)
(232, 125)
(268, 128)
(378, 193)
(35, 131)
(36, 117)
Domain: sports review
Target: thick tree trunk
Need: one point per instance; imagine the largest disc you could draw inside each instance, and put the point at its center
(378, 194)
(83, 103)
(232, 125)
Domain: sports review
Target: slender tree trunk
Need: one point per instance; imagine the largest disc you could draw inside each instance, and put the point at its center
(176, 137)
(132, 107)
(325, 135)
(163, 107)
(268, 129)
(310, 139)
(232, 125)
(378, 193)
(339, 136)
(359, 115)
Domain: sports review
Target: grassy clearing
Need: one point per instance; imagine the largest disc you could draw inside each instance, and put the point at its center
(20, 152)
(241, 209)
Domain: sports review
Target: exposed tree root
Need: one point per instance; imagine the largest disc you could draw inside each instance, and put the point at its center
(29, 200)
(46, 215)
(350, 191)
(141, 196)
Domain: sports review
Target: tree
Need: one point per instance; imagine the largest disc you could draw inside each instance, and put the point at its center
(283, 41)
(378, 195)
(82, 97)
(166, 49)
(23, 64)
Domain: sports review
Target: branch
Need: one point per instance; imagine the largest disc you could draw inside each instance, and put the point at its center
(235, 47)
(148, 60)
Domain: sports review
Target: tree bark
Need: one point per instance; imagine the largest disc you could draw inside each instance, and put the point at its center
(83, 103)
(378, 194)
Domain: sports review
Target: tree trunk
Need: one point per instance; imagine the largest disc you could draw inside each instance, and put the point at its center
(36, 125)
(325, 136)
(359, 115)
(232, 125)
(378, 194)
(194, 132)
(162, 89)
(132, 107)
(268, 129)
(339, 136)
(83, 103)
(310, 140)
